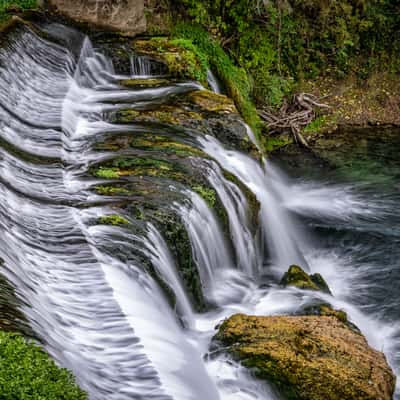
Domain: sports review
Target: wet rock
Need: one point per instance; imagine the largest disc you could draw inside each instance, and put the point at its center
(124, 16)
(309, 357)
(297, 277)
(179, 56)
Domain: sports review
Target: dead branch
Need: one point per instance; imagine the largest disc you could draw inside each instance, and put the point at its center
(293, 116)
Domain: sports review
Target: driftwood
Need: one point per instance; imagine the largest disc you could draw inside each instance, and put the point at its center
(292, 117)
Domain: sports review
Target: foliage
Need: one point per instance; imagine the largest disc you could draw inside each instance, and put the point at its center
(6, 5)
(28, 373)
(233, 78)
(279, 42)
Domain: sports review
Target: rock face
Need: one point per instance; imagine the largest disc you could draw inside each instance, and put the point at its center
(310, 357)
(124, 16)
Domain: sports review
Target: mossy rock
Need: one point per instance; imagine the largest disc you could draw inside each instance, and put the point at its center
(178, 241)
(144, 83)
(180, 56)
(325, 309)
(296, 276)
(113, 219)
(213, 102)
(309, 357)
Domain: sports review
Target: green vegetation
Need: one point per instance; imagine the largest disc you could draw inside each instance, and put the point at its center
(295, 276)
(280, 42)
(113, 219)
(233, 78)
(7, 7)
(111, 190)
(180, 55)
(207, 194)
(28, 373)
(107, 173)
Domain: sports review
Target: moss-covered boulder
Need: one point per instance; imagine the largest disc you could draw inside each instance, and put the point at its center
(181, 57)
(309, 357)
(296, 276)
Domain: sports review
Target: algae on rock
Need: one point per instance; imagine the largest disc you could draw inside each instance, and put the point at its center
(309, 357)
(297, 277)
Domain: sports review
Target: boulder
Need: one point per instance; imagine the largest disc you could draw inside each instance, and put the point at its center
(296, 276)
(124, 16)
(309, 357)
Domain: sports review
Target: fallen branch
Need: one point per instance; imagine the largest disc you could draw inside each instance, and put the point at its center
(292, 117)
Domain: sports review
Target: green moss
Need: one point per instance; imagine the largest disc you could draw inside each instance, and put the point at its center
(208, 194)
(162, 143)
(321, 124)
(166, 114)
(107, 173)
(178, 241)
(121, 167)
(28, 373)
(233, 78)
(144, 82)
(111, 190)
(113, 219)
(308, 357)
(296, 276)
(180, 55)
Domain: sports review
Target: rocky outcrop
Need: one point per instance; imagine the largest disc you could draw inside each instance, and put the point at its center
(297, 277)
(124, 16)
(309, 357)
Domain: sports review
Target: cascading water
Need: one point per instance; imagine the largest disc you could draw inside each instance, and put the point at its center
(280, 233)
(96, 294)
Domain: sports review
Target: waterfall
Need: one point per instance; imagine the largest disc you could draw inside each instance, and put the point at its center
(144, 67)
(213, 82)
(281, 235)
(210, 251)
(247, 251)
(110, 302)
(162, 260)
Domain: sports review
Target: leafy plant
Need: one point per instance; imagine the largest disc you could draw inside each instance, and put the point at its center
(28, 373)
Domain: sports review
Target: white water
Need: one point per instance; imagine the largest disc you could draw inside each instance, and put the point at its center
(209, 247)
(213, 82)
(103, 316)
(281, 235)
(246, 247)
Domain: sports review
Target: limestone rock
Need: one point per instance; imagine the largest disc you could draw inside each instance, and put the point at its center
(124, 16)
(309, 357)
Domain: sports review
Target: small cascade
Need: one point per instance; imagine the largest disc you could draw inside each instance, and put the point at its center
(280, 233)
(144, 67)
(161, 258)
(210, 251)
(245, 245)
(213, 82)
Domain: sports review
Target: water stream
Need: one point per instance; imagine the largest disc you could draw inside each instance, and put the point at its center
(87, 289)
